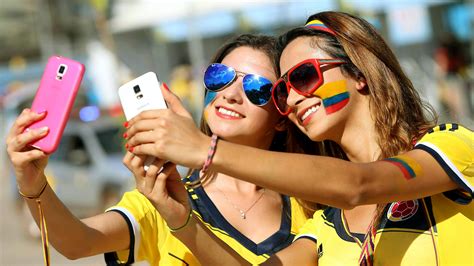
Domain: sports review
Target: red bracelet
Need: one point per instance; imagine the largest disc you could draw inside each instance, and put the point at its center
(210, 153)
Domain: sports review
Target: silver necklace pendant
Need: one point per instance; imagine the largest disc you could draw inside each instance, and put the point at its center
(243, 214)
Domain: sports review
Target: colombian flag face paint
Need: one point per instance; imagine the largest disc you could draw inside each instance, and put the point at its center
(334, 95)
(407, 165)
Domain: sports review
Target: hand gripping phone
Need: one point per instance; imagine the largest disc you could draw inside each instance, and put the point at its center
(55, 96)
(141, 94)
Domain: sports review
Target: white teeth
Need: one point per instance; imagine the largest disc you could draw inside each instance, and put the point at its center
(310, 111)
(228, 112)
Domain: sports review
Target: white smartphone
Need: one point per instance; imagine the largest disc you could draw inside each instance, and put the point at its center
(141, 94)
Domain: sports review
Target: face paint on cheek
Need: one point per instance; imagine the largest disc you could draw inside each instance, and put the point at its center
(408, 166)
(334, 95)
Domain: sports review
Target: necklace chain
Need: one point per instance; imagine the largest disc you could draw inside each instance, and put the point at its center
(243, 214)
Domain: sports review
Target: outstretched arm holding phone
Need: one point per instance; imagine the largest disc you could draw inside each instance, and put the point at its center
(72, 237)
(329, 181)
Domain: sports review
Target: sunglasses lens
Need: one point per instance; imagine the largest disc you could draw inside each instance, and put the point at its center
(217, 76)
(258, 89)
(280, 95)
(304, 78)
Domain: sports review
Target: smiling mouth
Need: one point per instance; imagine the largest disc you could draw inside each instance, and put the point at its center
(228, 112)
(309, 111)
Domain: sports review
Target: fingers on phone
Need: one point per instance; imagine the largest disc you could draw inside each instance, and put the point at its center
(34, 134)
(168, 167)
(33, 155)
(152, 171)
(26, 157)
(26, 118)
(127, 159)
(136, 165)
(20, 141)
(142, 149)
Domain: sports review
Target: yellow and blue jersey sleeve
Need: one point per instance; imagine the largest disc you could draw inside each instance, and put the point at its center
(147, 230)
(453, 148)
(311, 228)
(298, 217)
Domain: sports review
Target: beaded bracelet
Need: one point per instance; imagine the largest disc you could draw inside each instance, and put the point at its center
(210, 153)
(185, 224)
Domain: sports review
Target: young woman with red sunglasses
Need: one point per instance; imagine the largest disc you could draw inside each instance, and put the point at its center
(400, 187)
(255, 222)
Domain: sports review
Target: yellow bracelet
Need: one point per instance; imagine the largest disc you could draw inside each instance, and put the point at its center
(185, 224)
(35, 196)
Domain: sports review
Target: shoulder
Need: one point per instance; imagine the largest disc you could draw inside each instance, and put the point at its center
(448, 135)
(326, 216)
(134, 204)
(322, 219)
(449, 143)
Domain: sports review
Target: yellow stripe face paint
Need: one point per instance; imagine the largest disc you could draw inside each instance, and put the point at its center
(334, 95)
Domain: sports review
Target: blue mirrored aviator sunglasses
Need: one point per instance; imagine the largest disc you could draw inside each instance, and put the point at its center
(257, 88)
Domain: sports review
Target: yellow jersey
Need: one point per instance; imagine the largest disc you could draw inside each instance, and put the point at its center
(436, 229)
(152, 241)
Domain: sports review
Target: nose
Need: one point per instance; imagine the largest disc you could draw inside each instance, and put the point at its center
(234, 92)
(294, 99)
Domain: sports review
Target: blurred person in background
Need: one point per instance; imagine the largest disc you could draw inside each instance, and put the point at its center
(186, 88)
(452, 78)
(255, 222)
(399, 186)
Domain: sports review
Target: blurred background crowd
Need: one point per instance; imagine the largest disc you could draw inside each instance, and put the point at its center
(118, 40)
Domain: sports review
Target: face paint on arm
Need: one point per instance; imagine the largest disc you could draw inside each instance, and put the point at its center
(334, 95)
(408, 166)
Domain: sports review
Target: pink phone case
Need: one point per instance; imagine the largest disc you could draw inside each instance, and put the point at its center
(55, 95)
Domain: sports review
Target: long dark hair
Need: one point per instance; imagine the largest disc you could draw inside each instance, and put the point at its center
(399, 114)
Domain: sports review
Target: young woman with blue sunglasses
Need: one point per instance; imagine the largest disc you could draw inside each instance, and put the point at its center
(400, 187)
(255, 222)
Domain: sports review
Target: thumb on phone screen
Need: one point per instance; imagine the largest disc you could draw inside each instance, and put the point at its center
(173, 101)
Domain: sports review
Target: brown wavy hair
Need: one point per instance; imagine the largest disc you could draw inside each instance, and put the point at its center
(399, 114)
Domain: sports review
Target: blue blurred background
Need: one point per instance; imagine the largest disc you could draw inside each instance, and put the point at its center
(118, 40)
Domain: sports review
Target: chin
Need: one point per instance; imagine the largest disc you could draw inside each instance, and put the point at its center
(318, 132)
(316, 136)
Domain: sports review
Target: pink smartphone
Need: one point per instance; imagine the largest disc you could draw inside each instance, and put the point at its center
(55, 95)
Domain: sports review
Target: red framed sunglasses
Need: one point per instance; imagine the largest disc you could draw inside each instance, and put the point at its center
(304, 78)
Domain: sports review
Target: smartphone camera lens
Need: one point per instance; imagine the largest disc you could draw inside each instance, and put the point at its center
(136, 88)
(61, 71)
